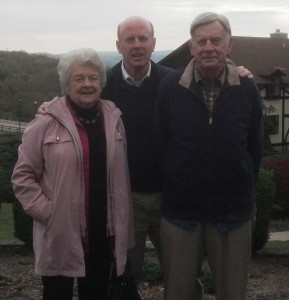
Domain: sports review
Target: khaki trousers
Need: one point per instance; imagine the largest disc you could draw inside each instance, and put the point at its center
(147, 221)
(228, 256)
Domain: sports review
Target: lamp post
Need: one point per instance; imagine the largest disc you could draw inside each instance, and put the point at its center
(19, 114)
(35, 106)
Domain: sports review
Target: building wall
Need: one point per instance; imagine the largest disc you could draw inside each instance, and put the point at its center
(275, 117)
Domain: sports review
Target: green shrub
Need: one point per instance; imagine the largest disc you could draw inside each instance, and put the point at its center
(9, 144)
(280, 166)
(265, 194)
(151, 270)
(280, 224)
(8, 156)
(23, 225)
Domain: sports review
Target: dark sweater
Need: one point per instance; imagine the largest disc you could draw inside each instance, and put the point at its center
(137, 105)
(91, 120)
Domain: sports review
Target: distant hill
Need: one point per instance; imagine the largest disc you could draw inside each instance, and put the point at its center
(110, 58)
(158, 55)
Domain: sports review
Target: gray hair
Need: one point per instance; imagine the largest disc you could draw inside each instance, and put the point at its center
(77, 58)
(209, 17)
(135, 18)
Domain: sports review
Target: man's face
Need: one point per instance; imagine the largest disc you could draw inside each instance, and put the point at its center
(210, 45)
(136, 44)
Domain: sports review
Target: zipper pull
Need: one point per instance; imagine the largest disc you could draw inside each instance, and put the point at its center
(107, 231)
(210, 121)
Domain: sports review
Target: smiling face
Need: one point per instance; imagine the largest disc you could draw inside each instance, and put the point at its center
(84, 86)
(136, 44)
(210, 45)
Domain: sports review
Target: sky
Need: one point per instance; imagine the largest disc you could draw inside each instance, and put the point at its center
(58, 26)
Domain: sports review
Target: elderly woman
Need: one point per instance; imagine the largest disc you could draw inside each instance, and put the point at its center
(72, 178)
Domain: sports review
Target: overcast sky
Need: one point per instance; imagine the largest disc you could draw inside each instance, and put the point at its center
(57, 26)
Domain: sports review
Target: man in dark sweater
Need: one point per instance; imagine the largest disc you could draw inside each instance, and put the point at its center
(132, 86)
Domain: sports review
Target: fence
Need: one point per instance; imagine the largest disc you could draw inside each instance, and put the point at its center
(11, 128)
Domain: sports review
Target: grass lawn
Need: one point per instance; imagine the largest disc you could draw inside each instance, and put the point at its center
(6, 222)
(279, 245)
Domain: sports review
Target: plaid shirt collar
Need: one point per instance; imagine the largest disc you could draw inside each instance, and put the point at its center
(199, 79)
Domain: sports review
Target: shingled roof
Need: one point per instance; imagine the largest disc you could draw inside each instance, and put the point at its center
(264, 57)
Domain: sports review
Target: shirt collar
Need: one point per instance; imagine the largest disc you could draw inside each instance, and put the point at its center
(131, 81)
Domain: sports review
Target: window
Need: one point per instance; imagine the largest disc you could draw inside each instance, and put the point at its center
(271, 124)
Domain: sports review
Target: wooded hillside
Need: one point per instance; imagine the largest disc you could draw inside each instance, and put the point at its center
(29, 77)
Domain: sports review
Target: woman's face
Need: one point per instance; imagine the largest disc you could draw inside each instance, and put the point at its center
(84, 86)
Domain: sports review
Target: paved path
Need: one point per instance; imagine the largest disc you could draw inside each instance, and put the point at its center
(279, 236)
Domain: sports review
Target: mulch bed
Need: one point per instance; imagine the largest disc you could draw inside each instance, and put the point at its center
(268, 280)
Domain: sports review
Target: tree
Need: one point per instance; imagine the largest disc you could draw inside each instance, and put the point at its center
(26, 76)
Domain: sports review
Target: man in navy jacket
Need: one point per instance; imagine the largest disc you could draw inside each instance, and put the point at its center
(209, 131)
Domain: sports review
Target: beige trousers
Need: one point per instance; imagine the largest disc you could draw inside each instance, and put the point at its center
(228, 256)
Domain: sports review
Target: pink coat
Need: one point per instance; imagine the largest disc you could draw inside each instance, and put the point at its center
(49, 183)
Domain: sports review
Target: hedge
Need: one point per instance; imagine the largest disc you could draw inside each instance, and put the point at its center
(265, 197)
(280, 165)
(8, 156)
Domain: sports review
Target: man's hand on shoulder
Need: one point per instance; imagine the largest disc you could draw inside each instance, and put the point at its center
(243, 72)
(42, 108)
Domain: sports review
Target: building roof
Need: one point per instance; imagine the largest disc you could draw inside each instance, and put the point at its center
(264, 57)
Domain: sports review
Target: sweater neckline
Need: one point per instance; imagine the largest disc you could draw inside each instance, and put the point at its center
(86, 116)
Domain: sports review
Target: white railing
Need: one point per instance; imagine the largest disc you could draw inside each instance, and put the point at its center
(12, 126)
